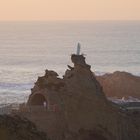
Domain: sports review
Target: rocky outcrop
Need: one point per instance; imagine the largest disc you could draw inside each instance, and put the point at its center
(81, 110)
(120, 84)
(17, 128)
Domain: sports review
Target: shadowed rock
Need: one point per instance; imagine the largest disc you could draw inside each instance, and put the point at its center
(81, 109)
(17, 128)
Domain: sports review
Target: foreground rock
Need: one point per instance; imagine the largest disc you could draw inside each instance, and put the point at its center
(76, 107)
(120, 84)
(17, 128)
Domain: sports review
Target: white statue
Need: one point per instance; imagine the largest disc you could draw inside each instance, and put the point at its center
(78, 49)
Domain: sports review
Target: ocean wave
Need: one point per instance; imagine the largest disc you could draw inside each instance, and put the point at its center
(16, 86)
(10, 98)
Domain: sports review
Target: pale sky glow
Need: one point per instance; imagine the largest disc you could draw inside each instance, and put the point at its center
(69, 9)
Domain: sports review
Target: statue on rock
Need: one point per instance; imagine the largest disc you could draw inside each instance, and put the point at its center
(79, 106)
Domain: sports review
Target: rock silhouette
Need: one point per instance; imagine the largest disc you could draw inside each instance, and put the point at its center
(77, 108)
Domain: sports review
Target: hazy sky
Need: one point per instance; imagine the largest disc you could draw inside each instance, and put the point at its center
(69, 9)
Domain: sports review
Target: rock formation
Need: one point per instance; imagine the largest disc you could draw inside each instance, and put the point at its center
(120, 84)
(77, 108)
(17, 128)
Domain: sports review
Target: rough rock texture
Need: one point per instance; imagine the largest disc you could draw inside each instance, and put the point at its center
(120, 84)
(17, 128)
(80, 108)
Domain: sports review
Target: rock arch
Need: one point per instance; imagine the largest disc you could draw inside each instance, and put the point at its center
(38, 99)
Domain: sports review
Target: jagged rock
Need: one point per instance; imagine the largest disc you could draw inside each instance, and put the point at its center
(120, 84)
(50, 73)
(79, 103)
(79, 60)
(17, 128)
(71, 68)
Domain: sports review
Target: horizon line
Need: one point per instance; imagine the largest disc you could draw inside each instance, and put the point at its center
(69, 20)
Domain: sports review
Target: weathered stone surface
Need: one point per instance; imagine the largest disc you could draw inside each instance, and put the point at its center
(120, 84)
(17, 128)
(81, 109)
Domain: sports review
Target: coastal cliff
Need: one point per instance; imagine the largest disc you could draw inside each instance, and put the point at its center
(76, 108)
(120, 84)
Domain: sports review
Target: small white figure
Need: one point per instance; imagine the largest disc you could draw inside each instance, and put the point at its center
(45, 105)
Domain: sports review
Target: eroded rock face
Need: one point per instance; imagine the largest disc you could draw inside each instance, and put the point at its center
(17, 128)
(120, 84)
(82, 110)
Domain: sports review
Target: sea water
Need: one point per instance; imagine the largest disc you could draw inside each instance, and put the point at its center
(28, 48)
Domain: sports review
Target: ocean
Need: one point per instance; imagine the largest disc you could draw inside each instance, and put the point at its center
(28, 48)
